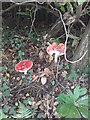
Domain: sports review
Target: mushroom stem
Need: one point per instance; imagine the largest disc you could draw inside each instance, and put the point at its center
(56, 56)
(25, 72)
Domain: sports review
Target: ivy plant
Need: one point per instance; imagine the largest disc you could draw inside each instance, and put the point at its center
(74, 104)
(73, 74)
(2, 115)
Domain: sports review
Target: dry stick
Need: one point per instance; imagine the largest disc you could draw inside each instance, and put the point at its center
(67, 36)
(3, 11)
(47, 106)
(33, 21)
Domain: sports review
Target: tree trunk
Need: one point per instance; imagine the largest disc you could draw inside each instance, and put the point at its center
(83, 46)
(56, 29)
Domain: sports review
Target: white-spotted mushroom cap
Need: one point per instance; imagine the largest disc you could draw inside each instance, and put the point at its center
(24, 66)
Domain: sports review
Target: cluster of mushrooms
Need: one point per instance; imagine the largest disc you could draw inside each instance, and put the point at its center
(25, 65)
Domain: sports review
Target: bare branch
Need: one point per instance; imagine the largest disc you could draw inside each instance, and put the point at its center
(33, 20)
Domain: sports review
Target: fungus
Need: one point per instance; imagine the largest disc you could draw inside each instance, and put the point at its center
(24, 66)
(58, 50)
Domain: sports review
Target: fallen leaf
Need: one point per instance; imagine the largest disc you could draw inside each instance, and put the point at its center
(33, 103)
(56, 103)
(72, 87)
(29, 102)
(27, 94)
(75, 43)
(41, 55)
(50, 58)
(20, 82)
(41, 108)
(38, 103)
(64, 73)
(16, 104)
(7, 74)
(43, 80)
(47, 72)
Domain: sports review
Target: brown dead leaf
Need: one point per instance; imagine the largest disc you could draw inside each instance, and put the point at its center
(43, 80)
(8, 75)
(41, 107)
(41, 55)
(47, 72)
(55, 103)
(75, 43)
(38, 103)
(20, 82)
(50, 58)
(64, 73)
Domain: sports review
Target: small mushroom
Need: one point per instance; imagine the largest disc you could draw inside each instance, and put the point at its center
(24, 66)
(58, 50)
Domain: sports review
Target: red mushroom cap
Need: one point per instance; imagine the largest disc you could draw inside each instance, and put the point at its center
(23, 66)
(61, 48)
(58, 50)
(49, 49)
(54, 47)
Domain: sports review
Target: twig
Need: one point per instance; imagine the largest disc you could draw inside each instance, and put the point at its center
(3, 11)
(33, 21)
(47, 106)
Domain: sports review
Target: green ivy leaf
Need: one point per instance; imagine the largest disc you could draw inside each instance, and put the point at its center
(73, 74)
(87, 70)
(30, 78)
(60, 66)
(5, 109)
(4, 78)
(53, 82)
(4, 68)
(69, 7)
(6, 93)
(55, 40)
(2, 115)
(5, 86)
(67, 67)
(12, 111)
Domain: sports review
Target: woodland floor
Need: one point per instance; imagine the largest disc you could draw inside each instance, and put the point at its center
(15, 48)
